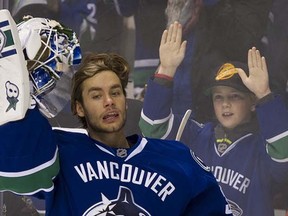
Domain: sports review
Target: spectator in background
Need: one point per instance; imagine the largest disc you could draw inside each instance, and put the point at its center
(277, 54)
(246, 145)
(35, 8)
(187, 12)
(150, 21)
(277, 47)
(79, 16)
(226, 31)
(96, 22)
(215, 30)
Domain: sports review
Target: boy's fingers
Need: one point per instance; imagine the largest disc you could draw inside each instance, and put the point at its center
(241, 73)
(254, 57)
(250, 62)
(258, 59)
(164, 37)
(179, 33)
(264, 65)
(174, 32)
(183, 47)
(170, 30)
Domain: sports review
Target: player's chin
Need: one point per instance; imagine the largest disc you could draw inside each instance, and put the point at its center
(115, 126)
(113, 129)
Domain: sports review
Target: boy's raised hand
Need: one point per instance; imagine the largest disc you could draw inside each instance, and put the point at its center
(171, 50)
(258, 80)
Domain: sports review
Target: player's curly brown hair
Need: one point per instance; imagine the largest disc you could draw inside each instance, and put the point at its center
(92, 64)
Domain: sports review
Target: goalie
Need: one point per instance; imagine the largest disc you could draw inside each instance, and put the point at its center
(99, 171)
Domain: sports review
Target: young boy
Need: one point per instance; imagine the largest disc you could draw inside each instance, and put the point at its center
(247, 147)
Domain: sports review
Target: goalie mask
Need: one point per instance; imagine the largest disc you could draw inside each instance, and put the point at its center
(50, 50)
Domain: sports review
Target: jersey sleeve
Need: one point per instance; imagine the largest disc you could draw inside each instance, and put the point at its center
(273, 121)
(210, 200)
(157, 118)
(28, 156)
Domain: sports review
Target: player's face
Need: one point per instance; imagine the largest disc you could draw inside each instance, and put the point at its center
(231, 106)
(104, 104)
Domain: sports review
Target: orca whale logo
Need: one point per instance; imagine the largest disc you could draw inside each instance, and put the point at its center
(123, 205)
(236, 210)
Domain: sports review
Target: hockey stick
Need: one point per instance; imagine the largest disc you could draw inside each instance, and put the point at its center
(183, 124)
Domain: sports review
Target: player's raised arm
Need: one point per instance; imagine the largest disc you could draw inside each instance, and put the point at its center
(171, 50)
(29, 154)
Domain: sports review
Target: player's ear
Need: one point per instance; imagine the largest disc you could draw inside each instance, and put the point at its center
(79, 109)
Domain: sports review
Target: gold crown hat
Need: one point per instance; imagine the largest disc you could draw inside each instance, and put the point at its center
(227, 75)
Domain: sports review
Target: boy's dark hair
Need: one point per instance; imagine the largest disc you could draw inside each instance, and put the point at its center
(93, 64)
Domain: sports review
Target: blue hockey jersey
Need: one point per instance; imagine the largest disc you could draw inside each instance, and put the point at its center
(80, 176)
(248, 168)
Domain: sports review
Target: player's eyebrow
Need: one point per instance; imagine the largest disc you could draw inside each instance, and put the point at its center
(115, 86)
(94, 89)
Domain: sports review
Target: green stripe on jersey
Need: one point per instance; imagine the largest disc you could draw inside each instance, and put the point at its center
(41, 179)
(279, 149)
(153, 131)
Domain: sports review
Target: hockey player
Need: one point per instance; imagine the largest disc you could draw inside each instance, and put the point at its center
(102, 171)
(246, 147)
(99, 171)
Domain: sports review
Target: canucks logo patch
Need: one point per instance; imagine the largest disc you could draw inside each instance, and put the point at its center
(223, 144)
(7, 45)
(199, 161)
(12, 94)
(235, 208)
(226, 71)
(3, 40)
(120, 206)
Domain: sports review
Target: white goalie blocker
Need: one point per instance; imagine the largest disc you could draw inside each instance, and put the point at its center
(38, 67)
(14, 76)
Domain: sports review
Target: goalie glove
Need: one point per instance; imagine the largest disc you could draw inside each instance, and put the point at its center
(14, 76)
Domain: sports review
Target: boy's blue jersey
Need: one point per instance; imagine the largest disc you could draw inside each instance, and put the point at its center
(248, 169)
(80, 176)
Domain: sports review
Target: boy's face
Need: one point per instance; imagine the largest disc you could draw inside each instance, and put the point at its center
(104, 104)
(231, 106)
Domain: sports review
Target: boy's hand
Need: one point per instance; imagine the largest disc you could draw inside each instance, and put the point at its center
(171, 50)
(257, 81)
